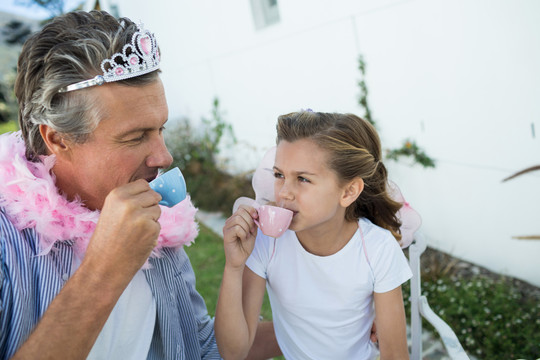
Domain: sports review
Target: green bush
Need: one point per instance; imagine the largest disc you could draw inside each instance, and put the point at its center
(196, 151)
(494, 317)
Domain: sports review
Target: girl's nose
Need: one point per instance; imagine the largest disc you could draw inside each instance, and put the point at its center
(284, 192)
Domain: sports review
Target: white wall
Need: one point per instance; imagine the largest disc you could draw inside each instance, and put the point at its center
(460, 77)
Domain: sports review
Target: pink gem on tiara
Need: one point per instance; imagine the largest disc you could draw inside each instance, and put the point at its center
(145, 45)
(137, 58)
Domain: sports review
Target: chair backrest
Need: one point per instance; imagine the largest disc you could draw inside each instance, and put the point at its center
(420, 308)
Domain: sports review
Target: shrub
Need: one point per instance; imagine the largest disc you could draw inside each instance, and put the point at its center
(195, 152)
(494, 317)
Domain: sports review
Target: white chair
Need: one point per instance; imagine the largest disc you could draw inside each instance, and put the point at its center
(420, 308)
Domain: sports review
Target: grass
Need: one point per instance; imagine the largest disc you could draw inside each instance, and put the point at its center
(208, 259)
(8, 126)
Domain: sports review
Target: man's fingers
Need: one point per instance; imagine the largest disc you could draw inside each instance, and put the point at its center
(138, 191)
(154, 212)
(149, 198)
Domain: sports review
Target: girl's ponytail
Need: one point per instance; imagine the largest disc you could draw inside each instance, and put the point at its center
(375, 203)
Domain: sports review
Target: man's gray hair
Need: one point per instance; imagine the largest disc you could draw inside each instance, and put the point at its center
(67, 50)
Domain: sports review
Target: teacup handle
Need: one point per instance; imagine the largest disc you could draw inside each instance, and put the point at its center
(245, 201)
(164, 203)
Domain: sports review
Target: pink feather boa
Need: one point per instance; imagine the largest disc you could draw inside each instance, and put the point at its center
(31, 200)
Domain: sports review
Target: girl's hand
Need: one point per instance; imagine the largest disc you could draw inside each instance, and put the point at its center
(239, 235)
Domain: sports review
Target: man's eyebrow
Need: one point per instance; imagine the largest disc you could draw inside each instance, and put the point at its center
(133, 131)
(139, 130)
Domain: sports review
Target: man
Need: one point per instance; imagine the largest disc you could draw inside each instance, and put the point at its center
(78, 219)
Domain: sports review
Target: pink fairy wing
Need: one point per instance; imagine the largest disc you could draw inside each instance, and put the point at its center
(263, 179)
(262, 183)
(244, 201)
(410, 219)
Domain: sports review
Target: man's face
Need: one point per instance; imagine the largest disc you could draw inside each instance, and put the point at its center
(127, 144)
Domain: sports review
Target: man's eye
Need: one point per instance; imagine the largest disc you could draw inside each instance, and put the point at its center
(137, 139)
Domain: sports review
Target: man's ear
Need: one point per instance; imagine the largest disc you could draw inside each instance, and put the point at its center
(53, 140)
(352, 191)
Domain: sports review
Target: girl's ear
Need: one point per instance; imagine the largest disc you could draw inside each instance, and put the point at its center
(53, 140)
(352, 191)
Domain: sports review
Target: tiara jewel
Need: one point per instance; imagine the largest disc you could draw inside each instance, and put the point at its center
(137, 58)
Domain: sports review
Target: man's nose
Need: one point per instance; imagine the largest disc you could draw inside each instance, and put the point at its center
(160, 156)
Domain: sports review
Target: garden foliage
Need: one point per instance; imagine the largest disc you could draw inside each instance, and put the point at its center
(196, 152)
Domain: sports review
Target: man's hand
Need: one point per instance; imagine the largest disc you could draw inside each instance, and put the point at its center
(128, 228)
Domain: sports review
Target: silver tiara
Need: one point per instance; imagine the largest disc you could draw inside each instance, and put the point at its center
(137, 58)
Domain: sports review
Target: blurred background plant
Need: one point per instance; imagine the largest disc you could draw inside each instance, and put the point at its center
(196, 151)
(520, 173)
(53, 7)
(412, 150)
(409, 148)
(13, 34)
(6, 107)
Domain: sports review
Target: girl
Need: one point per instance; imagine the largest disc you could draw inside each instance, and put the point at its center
(338, 258)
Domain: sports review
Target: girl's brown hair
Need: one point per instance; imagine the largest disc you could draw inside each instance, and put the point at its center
(354, 150)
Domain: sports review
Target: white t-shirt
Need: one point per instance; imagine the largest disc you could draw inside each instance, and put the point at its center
(127, 334)
(322, 306)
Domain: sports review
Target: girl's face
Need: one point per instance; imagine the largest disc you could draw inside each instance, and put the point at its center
(307, 186)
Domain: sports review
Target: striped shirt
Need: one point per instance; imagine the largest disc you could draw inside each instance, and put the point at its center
(28, 284)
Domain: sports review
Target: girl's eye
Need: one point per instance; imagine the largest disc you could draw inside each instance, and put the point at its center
(278, 175)
(303, 179)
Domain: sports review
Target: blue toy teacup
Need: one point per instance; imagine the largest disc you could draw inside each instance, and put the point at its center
(171, 186)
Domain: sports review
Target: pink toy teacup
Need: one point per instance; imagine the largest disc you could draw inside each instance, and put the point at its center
(273, 221)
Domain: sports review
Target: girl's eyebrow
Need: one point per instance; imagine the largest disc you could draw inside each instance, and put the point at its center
(297, 173)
